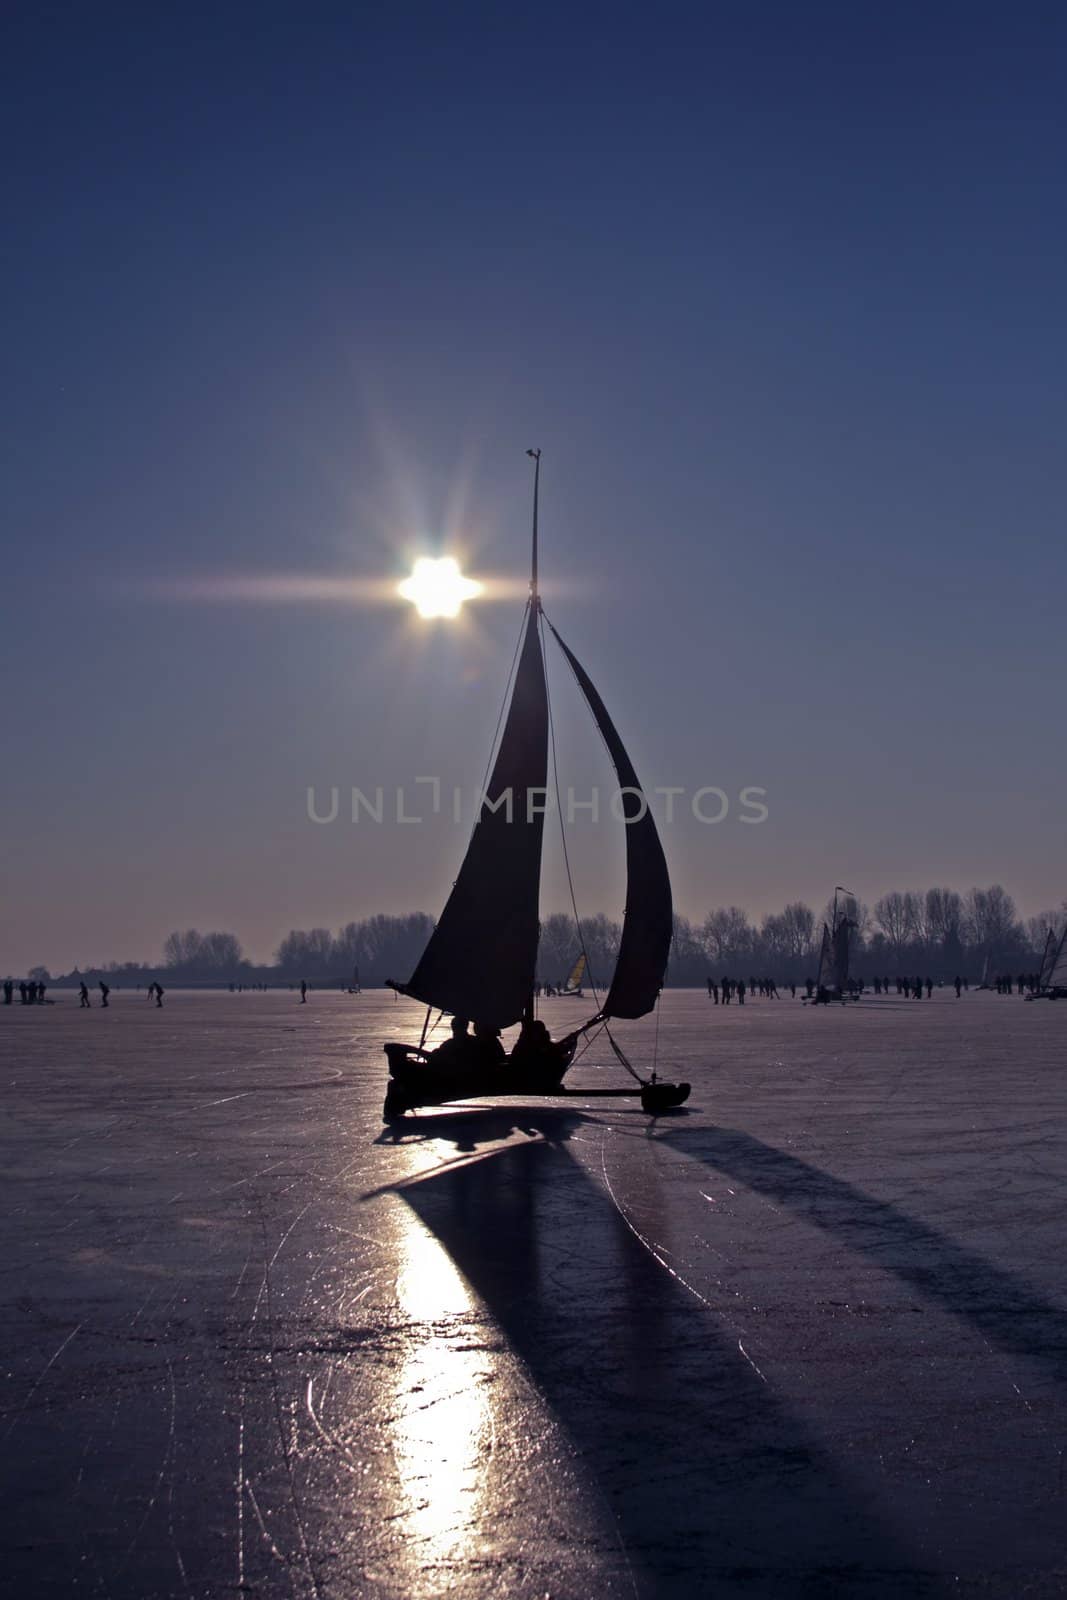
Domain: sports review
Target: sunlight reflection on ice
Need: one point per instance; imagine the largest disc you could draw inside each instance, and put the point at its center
(443, 1429)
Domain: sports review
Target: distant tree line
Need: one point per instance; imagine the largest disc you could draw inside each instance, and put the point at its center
(936, 932)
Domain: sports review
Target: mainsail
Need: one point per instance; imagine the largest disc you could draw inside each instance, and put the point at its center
(1057, 977)
(648, 921)
(824, 978)
(481, 957)
(1048, 960)
(841, 941)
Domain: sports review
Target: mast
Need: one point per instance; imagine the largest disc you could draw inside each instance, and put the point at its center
(481, 958)
(535, 598)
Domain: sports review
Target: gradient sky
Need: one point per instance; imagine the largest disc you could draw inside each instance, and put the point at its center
(779, 291)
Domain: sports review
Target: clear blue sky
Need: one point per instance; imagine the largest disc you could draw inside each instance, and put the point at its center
(777, 288)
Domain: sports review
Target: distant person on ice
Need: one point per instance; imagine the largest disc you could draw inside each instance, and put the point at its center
(303, 992)
(104, 992)
(84, 993)
(159, 995)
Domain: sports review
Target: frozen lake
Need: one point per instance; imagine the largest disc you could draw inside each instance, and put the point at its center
(806, 1337)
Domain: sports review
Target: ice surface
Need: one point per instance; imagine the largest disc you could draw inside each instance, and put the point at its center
(806, 1337)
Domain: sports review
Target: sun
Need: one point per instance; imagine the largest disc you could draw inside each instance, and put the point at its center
(438, 588)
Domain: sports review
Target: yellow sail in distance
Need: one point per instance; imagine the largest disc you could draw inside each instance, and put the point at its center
(574, 981)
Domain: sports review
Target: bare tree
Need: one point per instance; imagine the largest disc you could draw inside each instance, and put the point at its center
(600, 937)
(220, 952)
(774, 939)
(182, 949)
(915, 903)
(1037, 928)
(990, 919)
(727, 934)
(894, 915)
(303, 952)
(558, 948)
(943, 916)
(799, 929)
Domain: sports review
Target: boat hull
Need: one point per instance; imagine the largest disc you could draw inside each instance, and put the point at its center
(415, 1081)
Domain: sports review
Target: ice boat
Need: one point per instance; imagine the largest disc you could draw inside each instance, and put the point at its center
(480, 960)
(831, 982)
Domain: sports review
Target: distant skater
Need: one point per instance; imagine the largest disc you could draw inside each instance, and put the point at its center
(740, 991)
(959, 987)
(303, 992)
(159, 996)
(84, 994)
(104, 992)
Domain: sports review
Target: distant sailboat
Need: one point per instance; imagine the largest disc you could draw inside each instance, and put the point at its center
(983, 982)
(480, 961)
(824, 975)
(1042, 989)
(831, 981)
(1056, 981)
(1048, 960)
(573, 984)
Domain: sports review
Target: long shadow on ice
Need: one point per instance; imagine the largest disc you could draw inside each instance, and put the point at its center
(1006, 1309)
(716, 1486)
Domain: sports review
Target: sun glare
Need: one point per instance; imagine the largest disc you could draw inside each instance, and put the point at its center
(438, 588)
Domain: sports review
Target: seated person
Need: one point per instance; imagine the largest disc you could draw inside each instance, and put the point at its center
(487, 1048)
(459, 1050)
(536, 1044)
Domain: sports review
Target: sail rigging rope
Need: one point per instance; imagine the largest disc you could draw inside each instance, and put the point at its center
(570, 879)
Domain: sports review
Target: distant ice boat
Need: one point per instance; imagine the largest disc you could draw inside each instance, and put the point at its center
(573, 984)
(481, 958)
(1052, 980)
(831, 981)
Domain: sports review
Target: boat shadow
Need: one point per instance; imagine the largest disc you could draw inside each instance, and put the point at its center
(1006, 1309)
(469, 1128)
(715, 1485)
